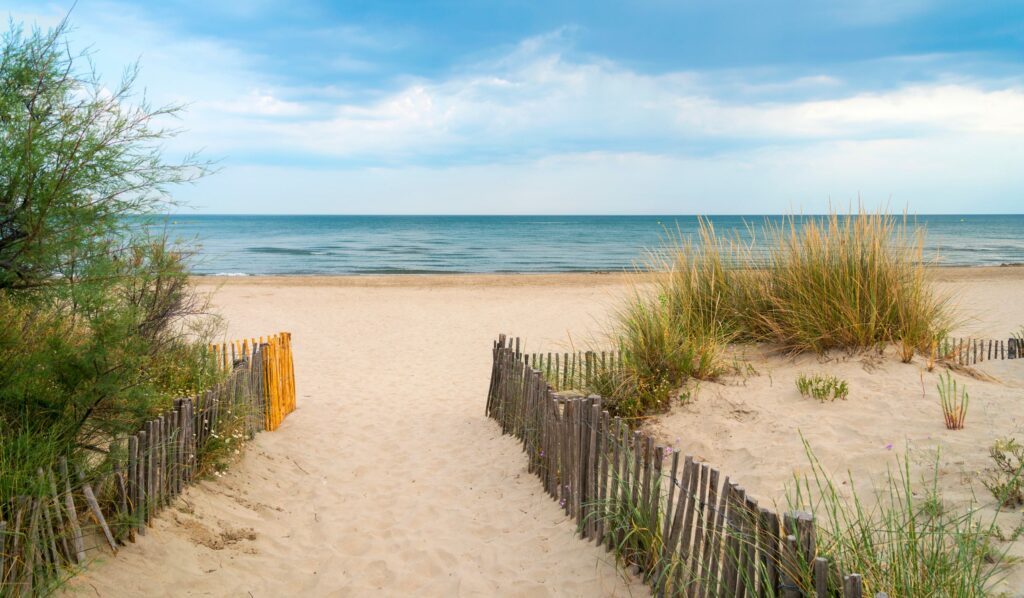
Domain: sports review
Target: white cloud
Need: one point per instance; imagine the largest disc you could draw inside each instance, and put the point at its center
(547, 101)
(927, 176)
(256, 102)
(535, 131)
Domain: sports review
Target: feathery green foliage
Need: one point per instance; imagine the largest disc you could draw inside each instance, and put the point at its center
(99, 319)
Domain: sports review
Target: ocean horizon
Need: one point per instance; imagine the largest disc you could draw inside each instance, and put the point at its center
(246, 245)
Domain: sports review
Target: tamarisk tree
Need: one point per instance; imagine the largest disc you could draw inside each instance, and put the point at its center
(76, 159)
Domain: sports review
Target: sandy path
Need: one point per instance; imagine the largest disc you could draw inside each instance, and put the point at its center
(388, 480)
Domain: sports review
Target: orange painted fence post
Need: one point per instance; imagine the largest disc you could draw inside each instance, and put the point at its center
(277, 371)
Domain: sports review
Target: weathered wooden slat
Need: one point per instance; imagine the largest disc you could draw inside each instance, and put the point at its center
(51, 555)
(72, 515)
(3, 555)
(743, 583)
(94, 507)
(717, 582)
(616, 473)
(768, 530)
(790, 566)
(603, 446)
(17, 545)
(708, 574)
(645, 490)
(751, 550)
(592, 468)
(852, 586)
(31, 545)
(637, 467)
(821, 577)
(730, 558)
(684, 506)
(699, 529)
(687, 532)
(60, 527)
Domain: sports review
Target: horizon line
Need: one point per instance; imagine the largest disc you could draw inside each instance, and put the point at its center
(573, 215)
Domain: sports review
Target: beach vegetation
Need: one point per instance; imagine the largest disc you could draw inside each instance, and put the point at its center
(954, 400)
(101, 328)
(823, 387)
(1004, 480)
(802, 284)
(662, 347)
(904, 539)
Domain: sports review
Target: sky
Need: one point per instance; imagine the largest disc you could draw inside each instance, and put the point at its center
(510, 107)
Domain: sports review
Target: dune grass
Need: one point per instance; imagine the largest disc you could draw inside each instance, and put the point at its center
(846, 282)
(904, 540)
(810, 284)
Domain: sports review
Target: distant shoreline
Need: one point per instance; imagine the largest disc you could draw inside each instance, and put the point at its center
(943, 274)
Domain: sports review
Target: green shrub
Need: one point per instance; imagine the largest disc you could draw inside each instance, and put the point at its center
(1004, 480)
(823, 387)
(100, 326)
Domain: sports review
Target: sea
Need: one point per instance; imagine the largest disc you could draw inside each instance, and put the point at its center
(239, 245)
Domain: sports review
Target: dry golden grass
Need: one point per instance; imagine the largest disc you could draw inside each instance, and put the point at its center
(812, 284)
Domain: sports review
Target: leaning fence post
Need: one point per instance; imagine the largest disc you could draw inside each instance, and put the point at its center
(90, 499)
(69, 505)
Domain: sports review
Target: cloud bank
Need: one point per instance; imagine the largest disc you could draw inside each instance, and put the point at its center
(537, 126)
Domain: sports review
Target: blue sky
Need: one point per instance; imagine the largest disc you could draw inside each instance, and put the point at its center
(711, 106)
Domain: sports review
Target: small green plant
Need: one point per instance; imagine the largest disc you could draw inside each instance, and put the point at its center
(1004, 480)
(954, 402)
(823, 387)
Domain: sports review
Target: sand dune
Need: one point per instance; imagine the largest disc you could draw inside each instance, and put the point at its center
(388, 480)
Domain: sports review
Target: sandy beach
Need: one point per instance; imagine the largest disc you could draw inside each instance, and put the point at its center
(389, 480)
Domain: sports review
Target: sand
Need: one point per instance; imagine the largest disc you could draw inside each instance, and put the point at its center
(389, 480)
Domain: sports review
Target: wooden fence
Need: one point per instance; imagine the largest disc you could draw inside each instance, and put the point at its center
(680, 524)
(579, 369)
(45, 536)
(278, 370)
(971, 351)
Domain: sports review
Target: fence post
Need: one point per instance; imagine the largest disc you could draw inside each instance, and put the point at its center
(852, 586)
